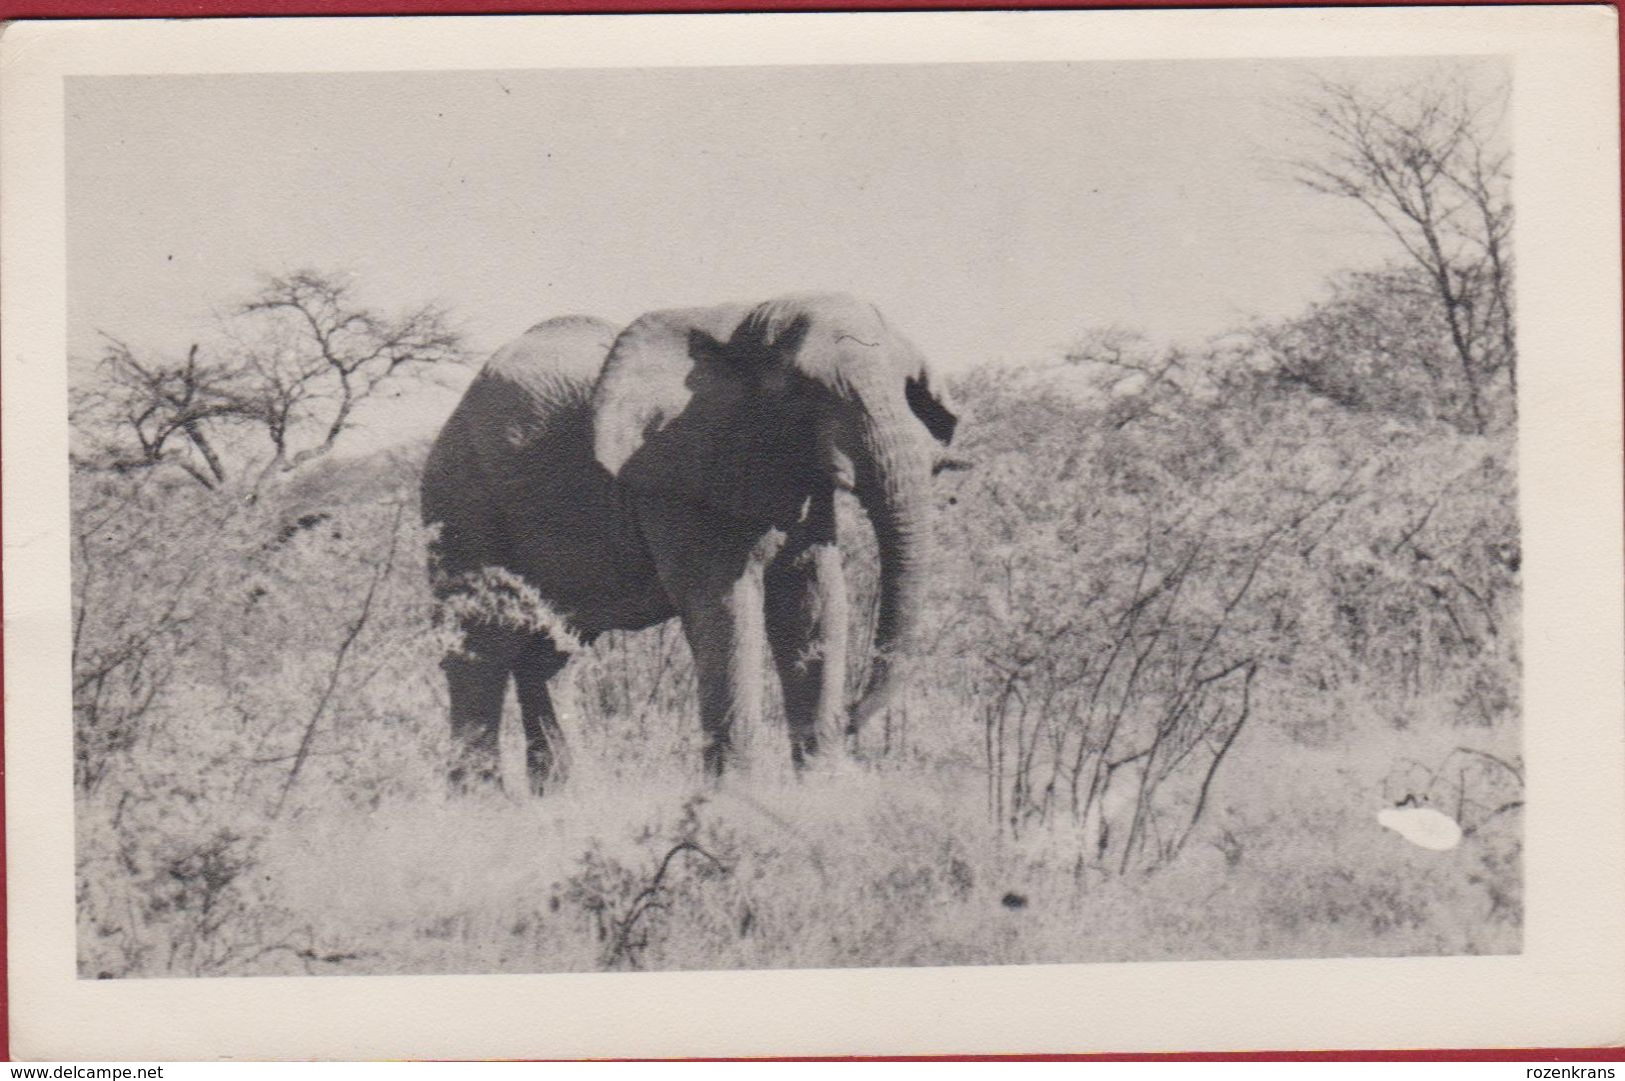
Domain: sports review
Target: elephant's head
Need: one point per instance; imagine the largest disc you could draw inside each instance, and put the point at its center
(750, 410)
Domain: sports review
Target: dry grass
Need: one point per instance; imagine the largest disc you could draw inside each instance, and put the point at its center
(878, 863)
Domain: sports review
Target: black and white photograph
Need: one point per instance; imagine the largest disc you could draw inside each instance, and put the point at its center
(768, 516)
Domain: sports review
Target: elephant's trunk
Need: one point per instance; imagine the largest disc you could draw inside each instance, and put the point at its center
(893, 483)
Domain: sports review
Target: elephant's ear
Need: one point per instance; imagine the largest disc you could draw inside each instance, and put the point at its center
(649, 376)
(683, 408)
(928, 399)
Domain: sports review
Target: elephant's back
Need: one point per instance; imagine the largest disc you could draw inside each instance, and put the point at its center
(527, 402)
(516, 461)
(556, 354)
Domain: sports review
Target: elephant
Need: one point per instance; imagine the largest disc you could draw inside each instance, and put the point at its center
(686, 467)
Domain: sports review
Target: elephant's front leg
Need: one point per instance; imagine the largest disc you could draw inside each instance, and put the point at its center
(724, 629)
(807, 626)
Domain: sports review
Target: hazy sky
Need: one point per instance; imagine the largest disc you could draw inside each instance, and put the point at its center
(993, 211)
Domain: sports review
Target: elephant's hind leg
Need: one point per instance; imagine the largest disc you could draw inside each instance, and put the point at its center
(477, 678)
(547, 759)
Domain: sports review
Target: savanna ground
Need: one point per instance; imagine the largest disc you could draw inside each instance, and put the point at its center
(1198, 615)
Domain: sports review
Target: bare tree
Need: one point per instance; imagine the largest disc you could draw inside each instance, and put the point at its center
(315, 354)
(299, 357)
(1123, 358)
(145, 413)
(1430, 163)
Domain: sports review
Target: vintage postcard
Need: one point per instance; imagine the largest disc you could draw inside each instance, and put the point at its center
(813, 534)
